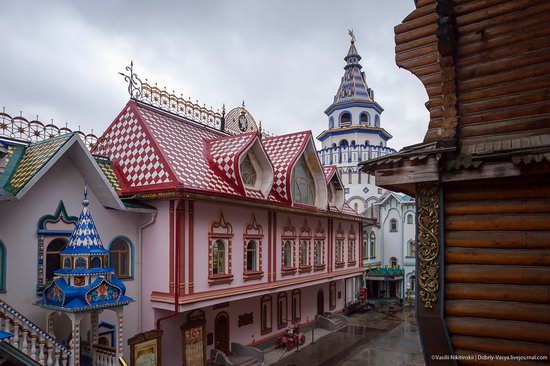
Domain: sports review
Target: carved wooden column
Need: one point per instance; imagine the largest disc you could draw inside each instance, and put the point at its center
(430, 267)
(94, 322)
(119, 331)
(75, 341)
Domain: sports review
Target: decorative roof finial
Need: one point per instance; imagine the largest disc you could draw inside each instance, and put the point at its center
(134, 82)
(85, 201)
(243, 103)
(350, 32)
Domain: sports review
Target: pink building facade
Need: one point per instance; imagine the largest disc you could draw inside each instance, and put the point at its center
(251, 232)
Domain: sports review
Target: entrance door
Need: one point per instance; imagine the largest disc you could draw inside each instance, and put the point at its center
(320, 302)
(221, 332)
(393, 289)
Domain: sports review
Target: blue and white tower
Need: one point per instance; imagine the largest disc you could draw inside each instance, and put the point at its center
(85, 286)
(354, 133)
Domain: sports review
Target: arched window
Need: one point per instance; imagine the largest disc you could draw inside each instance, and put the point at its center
(350, 176)
(304, 252)
(365, 119)
(80, 263)
(393, 225)
(266, 314)
(352, 143)
(282, 307)
(332, 295)
(248, 173)
(121, 257)
(303, 185)
(345, 119)
(367, 142)
(372, 245)
(218, 257)
(251, 255)
(377, 121)
(3, 262)
(393, 262)
(287, 252)
(318, 252)
(53, 256)
(67, 262)
(331, 122)
(412, 282)
(96, 262)
(409, 219)
(411, 249)
(365, 248)
(339, 251)
(334, 144)
(296, 305)
(344, 143)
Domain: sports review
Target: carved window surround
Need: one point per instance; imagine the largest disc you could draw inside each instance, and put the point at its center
(289, 233)
(319, 236)
(220, 230)
(351, 247)
(340, 239)
(305, 235)
(49, 228)
(253, 231)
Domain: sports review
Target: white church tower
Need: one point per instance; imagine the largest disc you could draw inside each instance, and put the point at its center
(355, 134)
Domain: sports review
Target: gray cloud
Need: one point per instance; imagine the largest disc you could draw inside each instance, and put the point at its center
(61, 59)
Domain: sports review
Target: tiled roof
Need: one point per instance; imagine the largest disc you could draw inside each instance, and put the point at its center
(128, 144)
(85, 237)
(155, 151)
(283, 152)
(34, 158)
(348, 210)
(223, 154)
(107, 169)
(329, 171)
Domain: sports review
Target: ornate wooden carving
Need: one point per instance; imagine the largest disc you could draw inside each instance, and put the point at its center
(427, 208)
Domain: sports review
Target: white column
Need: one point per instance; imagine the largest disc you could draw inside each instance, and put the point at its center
(94, 320)
(119, 331)
(75, 341)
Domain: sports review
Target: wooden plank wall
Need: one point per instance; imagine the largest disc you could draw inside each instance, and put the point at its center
(502, 68)
(497, 266)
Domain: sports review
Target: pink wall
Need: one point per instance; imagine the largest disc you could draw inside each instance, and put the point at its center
(18, 224)
(155, 270)
(172, 341)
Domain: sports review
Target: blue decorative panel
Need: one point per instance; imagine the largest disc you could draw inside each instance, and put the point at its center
(365, 190)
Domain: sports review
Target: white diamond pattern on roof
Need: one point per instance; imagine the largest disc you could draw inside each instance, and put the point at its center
(128, 145)
(282, 150)
(224, 154)
(183, 144)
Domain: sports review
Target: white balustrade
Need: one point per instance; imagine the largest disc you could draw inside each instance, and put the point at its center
(26, 335)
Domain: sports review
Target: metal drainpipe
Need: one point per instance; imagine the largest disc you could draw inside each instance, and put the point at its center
(140, 276)
(176, 281)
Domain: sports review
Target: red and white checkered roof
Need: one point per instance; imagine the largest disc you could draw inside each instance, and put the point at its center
(155, 151)
(224, 153)
(329, 171)
(283, 152)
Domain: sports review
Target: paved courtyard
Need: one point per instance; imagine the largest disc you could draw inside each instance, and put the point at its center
(374, 338)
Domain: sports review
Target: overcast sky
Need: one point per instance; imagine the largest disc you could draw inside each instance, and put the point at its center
(284, 58)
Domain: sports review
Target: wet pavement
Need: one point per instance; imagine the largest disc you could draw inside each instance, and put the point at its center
(374, 338)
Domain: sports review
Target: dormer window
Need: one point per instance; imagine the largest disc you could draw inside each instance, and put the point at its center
(303, 186)
(248, 173)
